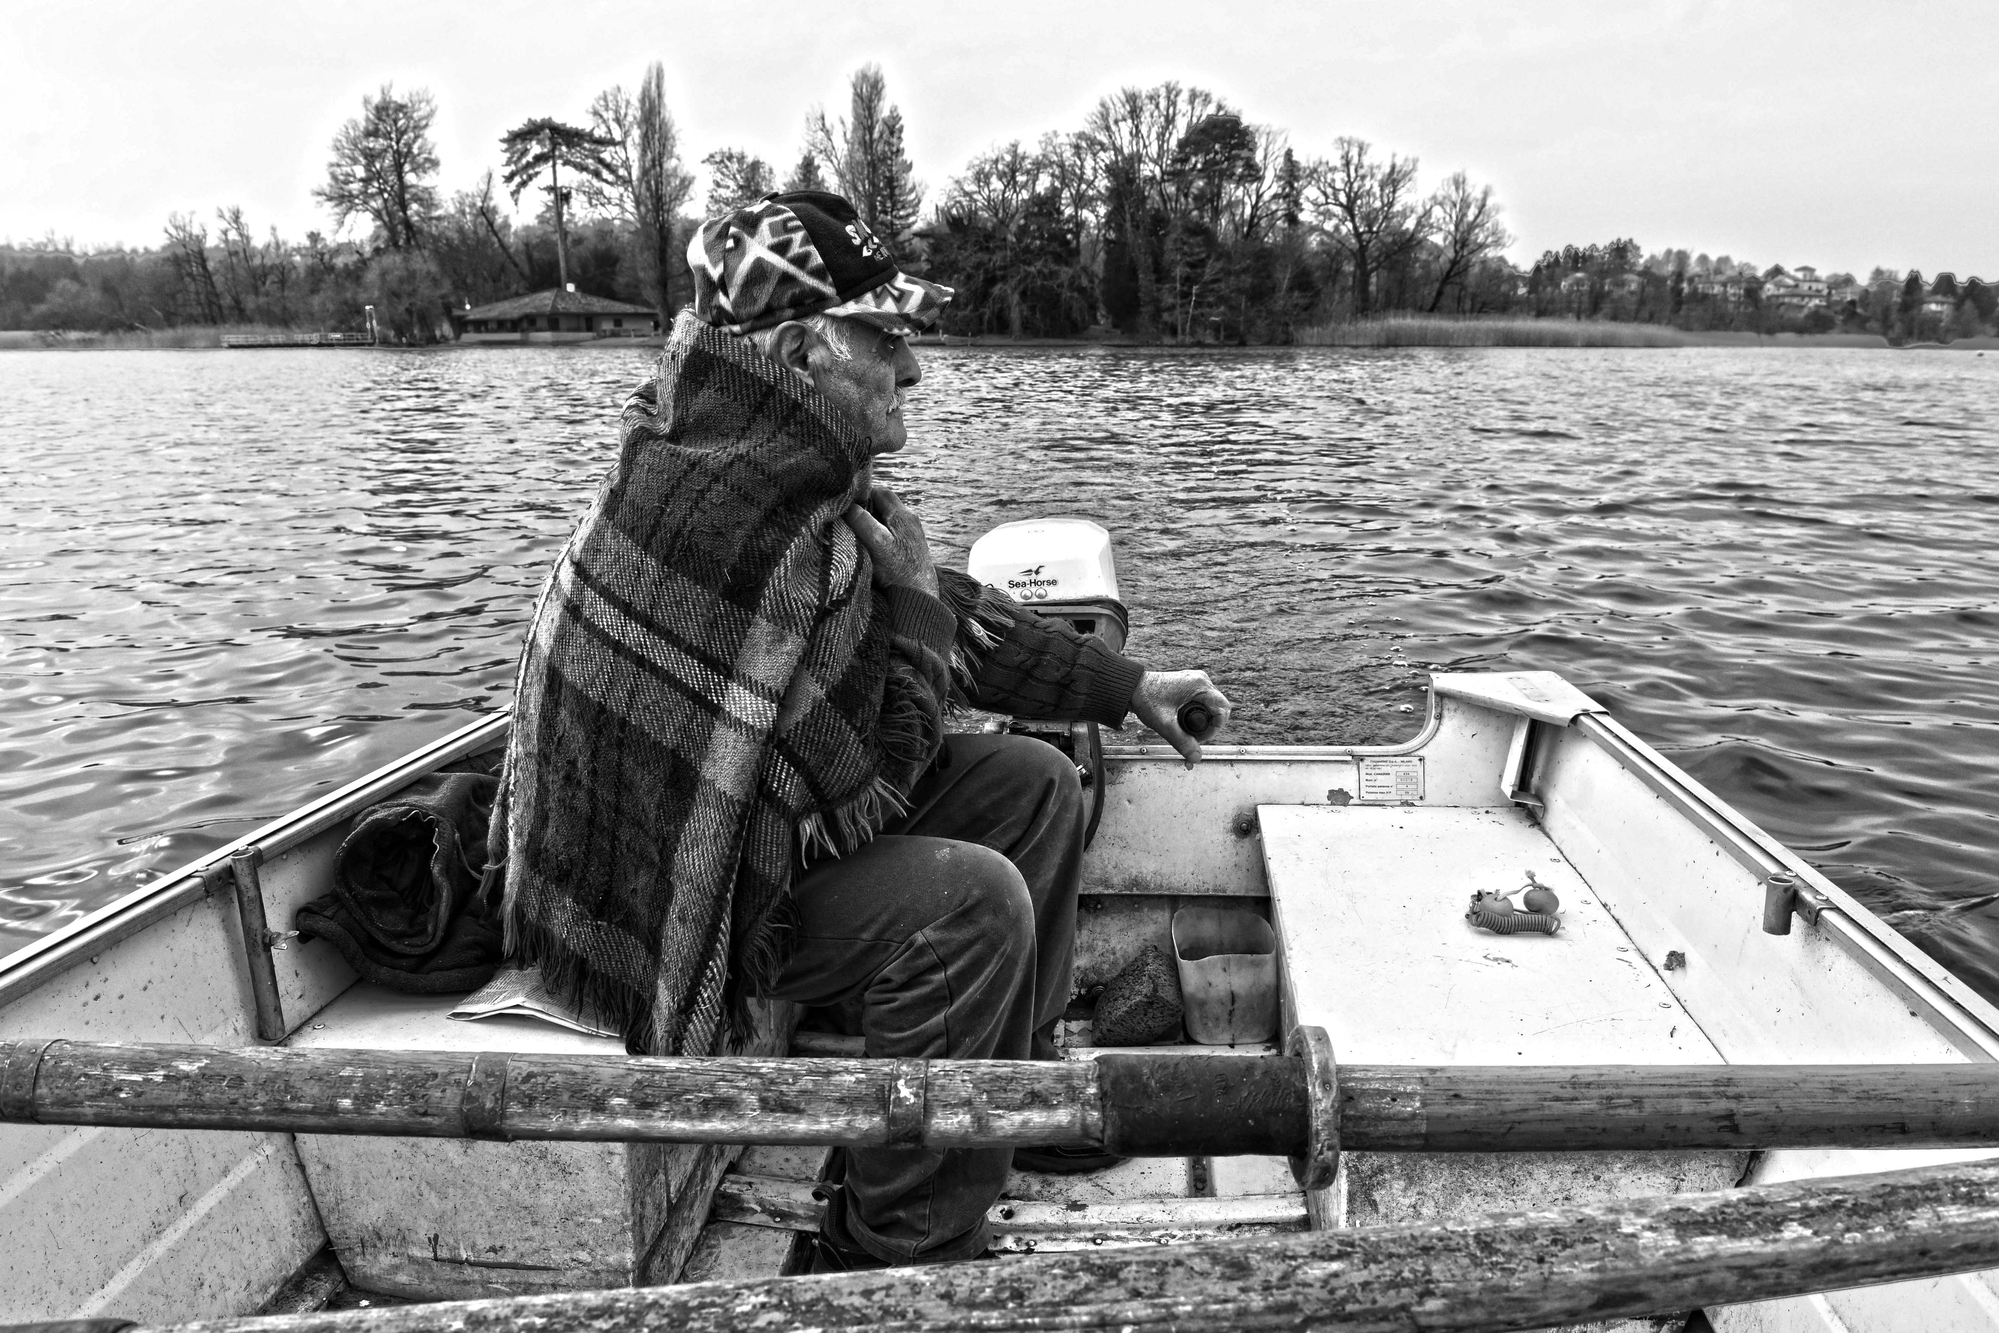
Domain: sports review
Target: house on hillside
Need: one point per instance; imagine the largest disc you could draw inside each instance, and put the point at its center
(1727, 286)
(1800, 287)
(559, 315)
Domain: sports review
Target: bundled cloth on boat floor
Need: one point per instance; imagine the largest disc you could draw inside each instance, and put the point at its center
(405, 910)
(710, 679)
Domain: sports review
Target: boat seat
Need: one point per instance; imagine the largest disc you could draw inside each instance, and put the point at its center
(451, 1219)
(1369, 903)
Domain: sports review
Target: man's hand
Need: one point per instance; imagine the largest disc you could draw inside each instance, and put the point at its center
(1162, 694)
(894, 537)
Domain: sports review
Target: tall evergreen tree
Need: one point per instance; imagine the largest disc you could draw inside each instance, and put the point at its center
(807, 175)
(542, 144)
(865, 153)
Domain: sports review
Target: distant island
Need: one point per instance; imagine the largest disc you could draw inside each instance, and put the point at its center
(1166, 218)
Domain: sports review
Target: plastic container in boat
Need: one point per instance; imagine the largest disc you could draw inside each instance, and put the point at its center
(1228, 975)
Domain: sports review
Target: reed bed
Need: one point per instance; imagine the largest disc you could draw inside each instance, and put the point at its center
(1444, 331)
(197, 335)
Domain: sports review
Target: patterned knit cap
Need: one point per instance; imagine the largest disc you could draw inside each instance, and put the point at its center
(803, 253)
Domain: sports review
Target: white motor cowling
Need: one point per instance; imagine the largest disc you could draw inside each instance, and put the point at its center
(1055, 567)
(1059, 567)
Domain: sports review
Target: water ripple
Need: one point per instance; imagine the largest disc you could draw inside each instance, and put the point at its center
(233, 580)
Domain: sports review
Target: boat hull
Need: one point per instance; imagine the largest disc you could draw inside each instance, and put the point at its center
(167, 1226)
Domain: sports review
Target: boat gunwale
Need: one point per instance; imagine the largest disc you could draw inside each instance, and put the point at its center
(1969, 1020)
(35, 963)
(1964, 1017)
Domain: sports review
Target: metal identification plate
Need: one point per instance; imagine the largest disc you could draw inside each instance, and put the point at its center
(1392, 781)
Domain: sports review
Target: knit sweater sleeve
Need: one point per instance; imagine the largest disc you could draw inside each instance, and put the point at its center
(1040, 668)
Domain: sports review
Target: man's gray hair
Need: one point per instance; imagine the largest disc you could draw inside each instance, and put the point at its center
(831, 328)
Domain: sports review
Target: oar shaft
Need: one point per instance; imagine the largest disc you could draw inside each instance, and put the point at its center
(1500, 1108)
(1138, 1104)
(1624, 1259)
(1159, 1105)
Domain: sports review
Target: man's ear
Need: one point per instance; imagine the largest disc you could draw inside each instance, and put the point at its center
(791, 346)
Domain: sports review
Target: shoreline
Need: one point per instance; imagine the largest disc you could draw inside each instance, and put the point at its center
(1543, 335)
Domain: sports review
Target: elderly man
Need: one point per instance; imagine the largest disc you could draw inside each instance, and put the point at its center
(728, 774)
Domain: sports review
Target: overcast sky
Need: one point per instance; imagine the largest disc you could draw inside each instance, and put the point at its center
(1834, 133)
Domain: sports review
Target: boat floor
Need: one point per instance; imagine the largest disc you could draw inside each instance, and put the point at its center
(763, 1215)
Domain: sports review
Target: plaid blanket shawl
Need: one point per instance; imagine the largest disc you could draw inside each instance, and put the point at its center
(707, 686)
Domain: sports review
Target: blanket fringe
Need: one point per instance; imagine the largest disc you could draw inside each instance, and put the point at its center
(758, 967)
(985, 614)
(570, 978)
(841, 829)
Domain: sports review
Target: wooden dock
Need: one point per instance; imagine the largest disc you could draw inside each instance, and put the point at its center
(298, 340)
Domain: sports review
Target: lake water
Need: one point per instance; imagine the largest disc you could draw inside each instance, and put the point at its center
(233, 580)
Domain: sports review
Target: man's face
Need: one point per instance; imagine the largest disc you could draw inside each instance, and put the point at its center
(868, 385)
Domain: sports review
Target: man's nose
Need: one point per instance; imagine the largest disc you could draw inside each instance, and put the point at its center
(907, 373)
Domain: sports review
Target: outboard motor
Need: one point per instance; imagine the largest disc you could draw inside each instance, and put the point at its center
(1060, 567)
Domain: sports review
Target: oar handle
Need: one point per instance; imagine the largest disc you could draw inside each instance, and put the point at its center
(1195, 717)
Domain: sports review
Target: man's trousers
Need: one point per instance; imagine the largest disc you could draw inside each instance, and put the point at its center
(954, 934)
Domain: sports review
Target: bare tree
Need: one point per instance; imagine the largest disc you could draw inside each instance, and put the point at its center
(382, 164)
(488, 213)
(656, 184)
(1467, 230)
(244, 269)
(1077, 186)
(613, 118)
(865, 154)
(1134, 135)
(1367, 208)
(542, 144)
(187, 250)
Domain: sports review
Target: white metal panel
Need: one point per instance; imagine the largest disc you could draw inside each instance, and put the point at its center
(1794, 998)
(1370, 908)
(227, 1249)
(311, 974)
(172, 1225)
(1964, 1304)
(1168, 829)
(455, 1219)
(1371, 902)
(83, 1211)
(1939, 996)
(1541, 695)
(131, 1222)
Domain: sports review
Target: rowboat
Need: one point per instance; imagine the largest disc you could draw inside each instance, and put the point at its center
(188, 1142)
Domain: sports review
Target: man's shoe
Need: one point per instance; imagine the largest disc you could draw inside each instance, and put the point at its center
(830, 1256)
(1063, 1161)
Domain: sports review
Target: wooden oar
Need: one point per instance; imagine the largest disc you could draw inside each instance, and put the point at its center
(1158, 1105)
(1624, 1259)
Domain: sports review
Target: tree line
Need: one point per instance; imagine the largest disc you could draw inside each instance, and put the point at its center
(1166, 216)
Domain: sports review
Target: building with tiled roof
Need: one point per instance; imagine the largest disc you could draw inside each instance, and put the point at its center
(558, 315)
